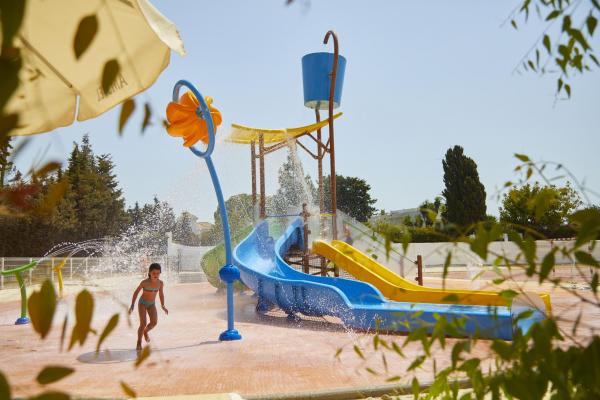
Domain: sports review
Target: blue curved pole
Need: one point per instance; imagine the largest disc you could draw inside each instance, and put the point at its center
(229, 273)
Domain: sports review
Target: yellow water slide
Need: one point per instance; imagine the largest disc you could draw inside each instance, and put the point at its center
(395, 287)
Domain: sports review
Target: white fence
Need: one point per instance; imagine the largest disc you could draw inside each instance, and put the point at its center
(85, 268)
(434, 254)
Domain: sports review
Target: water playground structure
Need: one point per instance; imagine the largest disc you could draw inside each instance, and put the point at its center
(378, 298)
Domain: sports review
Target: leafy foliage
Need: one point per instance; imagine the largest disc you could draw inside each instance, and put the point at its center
(542, 209)
(41, 306)
(52, 374)
(547, 360)
(83, 202)
(353, 196)
(464, 193)
(565, 40)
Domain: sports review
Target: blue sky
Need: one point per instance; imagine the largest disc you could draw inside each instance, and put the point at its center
(421, 77)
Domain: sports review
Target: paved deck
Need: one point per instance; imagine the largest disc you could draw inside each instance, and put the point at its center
(276, 356)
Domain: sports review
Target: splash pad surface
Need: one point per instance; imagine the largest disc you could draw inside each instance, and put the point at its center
(276, 356)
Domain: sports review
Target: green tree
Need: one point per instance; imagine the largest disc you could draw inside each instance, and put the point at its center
(464, 193)
(429, 211)
(95, 194)
(542, 209)
(239, 212)
(353, 196)
(7, 168)
(183, 232)
(148, 226)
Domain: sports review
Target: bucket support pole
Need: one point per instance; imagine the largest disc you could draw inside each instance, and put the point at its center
(332, 178)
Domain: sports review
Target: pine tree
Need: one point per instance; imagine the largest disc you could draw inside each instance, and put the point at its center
(464, 193)
(7, 168)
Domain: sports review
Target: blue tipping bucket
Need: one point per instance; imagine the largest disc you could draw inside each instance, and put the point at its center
(316, 70)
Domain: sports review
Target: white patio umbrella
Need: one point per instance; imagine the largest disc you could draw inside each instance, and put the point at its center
(132, 32)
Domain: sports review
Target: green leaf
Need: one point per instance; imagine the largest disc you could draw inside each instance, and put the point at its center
(547, 264)
(338, 353)
(144, 354)
(53, 374)
(508, 294)
(9, 71)
(547, 44)
(86, 31)
(446, 266)
(84, 309)
(591, 23)
(560, 85)
(451, 298)
(503, 349)
(51, 396)
(4, 387)
(11, 18)
(128, 390)
(46, 169)
(522, 157)
(8, 122)
(470, 365)
(586, 258)
(416, 388)
(406, 238)
(147, 116)
(112, 324)
(109, 74)
(63, 332)
(578, 36)
(588, 222)
(126, 111)
(416, 363)
(397, 349)
(531, 64)
(594, 59)
(553, 15)
(358, 351)
(41, 306)
(566, 23)
(513, 23)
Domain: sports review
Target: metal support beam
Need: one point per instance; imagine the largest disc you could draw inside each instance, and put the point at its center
(253, 171)
(331, 135)
(261, 154)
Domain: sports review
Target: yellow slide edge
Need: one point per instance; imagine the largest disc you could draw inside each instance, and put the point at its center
(397, 288)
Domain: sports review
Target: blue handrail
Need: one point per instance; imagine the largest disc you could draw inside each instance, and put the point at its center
(229, 273)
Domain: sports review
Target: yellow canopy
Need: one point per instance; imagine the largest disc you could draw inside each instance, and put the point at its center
(246, 135)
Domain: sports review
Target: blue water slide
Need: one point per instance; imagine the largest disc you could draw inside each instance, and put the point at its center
(358, 304)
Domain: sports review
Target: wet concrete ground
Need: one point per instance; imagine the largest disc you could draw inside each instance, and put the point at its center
(276, 355)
